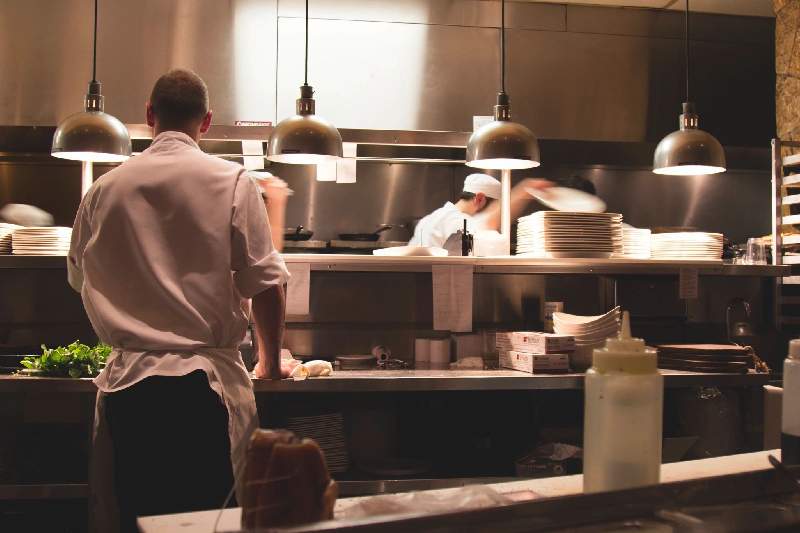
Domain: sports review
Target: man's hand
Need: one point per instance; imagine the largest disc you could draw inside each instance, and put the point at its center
(274, 189)
(534, 183)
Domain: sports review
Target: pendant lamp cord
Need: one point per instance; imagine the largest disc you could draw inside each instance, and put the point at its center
(94, 50)
(503, 46)
(305, 82)
(688, 63)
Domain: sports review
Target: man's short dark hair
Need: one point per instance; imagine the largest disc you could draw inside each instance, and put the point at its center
(179, 99)
(469, 196)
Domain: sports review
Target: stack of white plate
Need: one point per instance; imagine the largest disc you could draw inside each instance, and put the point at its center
(557, 234)
(5, 237)
(590, 332)
(690, 246)
(328, 431)
(41, 241)
(635, 243)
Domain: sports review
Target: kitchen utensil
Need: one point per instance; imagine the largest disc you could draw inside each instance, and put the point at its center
(557, 234)
(756, 252)
(356, 362)
(381, 353)
(687, 246)
(374, 236)
(705, 358)
(41, 241)
(440, 353)
(422, 350)
(566, 199)
(297, 234)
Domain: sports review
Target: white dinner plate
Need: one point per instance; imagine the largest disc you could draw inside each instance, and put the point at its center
(566, 199)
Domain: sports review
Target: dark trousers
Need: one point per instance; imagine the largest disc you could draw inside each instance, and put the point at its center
(171, 447)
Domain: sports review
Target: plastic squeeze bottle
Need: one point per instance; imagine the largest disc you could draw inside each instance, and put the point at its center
(624, 396)
(790, 422)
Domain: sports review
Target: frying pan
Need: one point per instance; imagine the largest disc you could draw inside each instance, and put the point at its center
(297, 234)
(365, 237)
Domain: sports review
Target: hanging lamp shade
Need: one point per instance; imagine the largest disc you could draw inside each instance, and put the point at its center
(304, 138)
(92, 135)
(502, 143)
(689, 151)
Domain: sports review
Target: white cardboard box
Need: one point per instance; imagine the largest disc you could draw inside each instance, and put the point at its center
(533, 363)
(535, 342)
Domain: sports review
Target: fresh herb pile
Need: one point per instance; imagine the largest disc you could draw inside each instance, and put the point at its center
(76, 360)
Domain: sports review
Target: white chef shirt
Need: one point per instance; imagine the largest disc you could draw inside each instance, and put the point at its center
(166, 251)
(435, 228)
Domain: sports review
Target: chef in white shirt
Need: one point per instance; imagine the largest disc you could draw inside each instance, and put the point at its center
(478, 204)
(167, 251)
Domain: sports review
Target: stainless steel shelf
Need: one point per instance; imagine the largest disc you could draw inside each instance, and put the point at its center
(412, 381)
(483, 265)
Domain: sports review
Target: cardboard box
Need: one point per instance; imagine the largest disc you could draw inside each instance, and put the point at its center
(534, 363)
(535, 342)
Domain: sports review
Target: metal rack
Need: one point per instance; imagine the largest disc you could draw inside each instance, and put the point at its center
(785, 192)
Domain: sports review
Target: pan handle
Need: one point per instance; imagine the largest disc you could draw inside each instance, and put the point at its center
(382, 228)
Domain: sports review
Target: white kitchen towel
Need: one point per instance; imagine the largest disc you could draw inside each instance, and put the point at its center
(253, 152)
(298, 297)
(452, 297)
(347, 166)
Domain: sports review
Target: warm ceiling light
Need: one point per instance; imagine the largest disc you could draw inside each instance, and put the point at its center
(305, 138)
(689, 151)
(503, 144)
(92, 135)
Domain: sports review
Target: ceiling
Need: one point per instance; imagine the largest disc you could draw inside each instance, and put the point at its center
(757, 8)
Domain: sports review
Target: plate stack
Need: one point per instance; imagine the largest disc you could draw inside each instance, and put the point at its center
(41, 241)
(714, 358)
(635, 243)
(328, 431)
(5, 237)
(561, 234)
(590, 332)
(688, 246)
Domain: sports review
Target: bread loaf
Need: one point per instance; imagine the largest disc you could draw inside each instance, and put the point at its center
(286, 482)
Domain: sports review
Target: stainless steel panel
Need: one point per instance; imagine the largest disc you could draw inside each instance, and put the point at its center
(46, 55)
(666, 23)
(629, 88)
(384, 194)
(484, 13)
(395, 76)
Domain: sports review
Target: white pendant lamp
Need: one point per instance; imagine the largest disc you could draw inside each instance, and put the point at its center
(92, 135)
(305, 138)
(503, 144)
(689, 151)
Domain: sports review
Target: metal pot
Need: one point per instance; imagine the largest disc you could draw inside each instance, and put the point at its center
(366, 237)
(297, 234)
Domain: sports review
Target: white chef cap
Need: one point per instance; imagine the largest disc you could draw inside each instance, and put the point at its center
(484, 183)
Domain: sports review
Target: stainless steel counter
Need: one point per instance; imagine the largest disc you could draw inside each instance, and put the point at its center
(483, 265)
(411, 381)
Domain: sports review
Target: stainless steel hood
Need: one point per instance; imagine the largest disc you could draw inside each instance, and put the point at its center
(576, 72)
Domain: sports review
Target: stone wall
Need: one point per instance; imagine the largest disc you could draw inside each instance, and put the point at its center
(787, 68)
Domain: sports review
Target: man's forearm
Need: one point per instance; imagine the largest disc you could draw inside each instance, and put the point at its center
(269, 315)
(276, 212)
